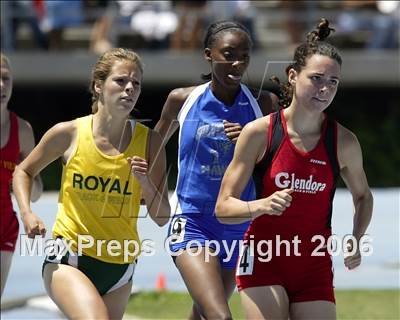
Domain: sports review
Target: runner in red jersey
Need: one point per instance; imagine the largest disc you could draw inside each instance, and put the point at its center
(296, 154)
(312, 176)
(16, 142)
(9, 155)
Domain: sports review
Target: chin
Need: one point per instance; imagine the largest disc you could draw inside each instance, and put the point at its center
(319, 106)
(127, 111)
(4, 104)
(126, 106)
(320, 109)
(232, 84)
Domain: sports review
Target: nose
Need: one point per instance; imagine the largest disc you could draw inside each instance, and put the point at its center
(238, 63)
(129, 87)
(323, 88)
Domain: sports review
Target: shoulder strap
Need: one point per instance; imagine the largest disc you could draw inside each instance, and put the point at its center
(148, 144)
(330, 142)
(13, 138)
(85, 126)
(276, 134)
(190, 100)
(253, 102)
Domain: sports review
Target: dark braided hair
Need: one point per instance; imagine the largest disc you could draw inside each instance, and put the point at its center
(315, 44)
(216, 30)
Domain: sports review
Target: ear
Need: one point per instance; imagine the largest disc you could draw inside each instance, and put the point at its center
(292, 76)
(207, 54)
(97, 87)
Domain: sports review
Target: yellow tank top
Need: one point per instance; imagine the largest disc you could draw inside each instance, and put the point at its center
(100, 199)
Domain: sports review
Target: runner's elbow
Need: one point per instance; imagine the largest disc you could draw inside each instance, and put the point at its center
(220, 211)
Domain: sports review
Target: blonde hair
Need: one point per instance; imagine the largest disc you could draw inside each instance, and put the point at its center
(102, 69)
(4, 59)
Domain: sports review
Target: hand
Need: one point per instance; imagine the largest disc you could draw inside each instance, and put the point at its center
(351, 261)
(139, 169)
(232, 130)
(276, 203)
(33, 225)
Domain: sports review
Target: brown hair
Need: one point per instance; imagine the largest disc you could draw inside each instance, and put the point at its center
(315, 44)
(102, 68)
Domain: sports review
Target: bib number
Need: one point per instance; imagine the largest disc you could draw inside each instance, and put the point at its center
(246, 263)
(178, 230)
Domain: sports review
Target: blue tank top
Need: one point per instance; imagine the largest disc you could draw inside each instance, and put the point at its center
(204, 149)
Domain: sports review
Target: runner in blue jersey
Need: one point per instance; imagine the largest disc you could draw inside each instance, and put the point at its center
(210, 117)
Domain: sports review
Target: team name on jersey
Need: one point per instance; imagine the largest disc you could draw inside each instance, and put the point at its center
(286, 180)
(101, 184)
(9, 165)
(213, 170)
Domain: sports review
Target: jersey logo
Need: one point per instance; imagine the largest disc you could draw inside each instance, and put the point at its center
(212, 137)
(210, 130)
(321, 162)
(285, 180)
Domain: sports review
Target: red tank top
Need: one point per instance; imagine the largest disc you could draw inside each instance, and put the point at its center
(9, 156)
(311, 174)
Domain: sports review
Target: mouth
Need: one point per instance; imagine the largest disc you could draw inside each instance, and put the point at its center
(320, 100)
(127, 99)
(235, 77)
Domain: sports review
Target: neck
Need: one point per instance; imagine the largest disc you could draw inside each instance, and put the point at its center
(302, 120)
(5, 115)
(227, 96)
(110, 127)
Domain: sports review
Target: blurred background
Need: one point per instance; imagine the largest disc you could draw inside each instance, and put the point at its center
(53, 45)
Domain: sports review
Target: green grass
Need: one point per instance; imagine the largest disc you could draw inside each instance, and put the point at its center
(368, 304)
(351, 304)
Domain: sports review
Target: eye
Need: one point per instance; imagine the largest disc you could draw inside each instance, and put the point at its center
(334, 82)
(120, 81)
(315, 78)
(245, 58)
(228, 55)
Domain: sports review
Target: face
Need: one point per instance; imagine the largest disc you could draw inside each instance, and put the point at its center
(5, 84)
(316, 84)
(121, 89)
(229, 57)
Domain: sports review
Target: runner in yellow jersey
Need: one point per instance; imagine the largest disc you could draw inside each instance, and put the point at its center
(109, 164)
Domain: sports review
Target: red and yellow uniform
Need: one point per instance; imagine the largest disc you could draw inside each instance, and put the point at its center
(9, 157)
